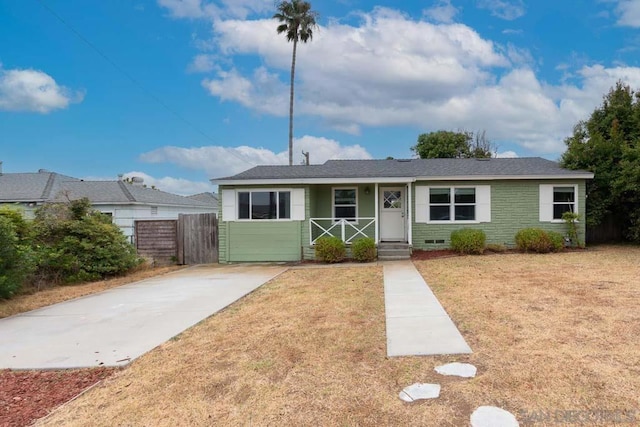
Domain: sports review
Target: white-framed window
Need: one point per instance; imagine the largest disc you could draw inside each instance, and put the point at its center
(344, 202)
(264, 205)
(556, 199)
(564, 200)
(254, 204)
(154, 210)
(451, 204)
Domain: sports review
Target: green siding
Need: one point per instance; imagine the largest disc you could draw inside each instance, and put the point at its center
(253, 241)
(514, 205)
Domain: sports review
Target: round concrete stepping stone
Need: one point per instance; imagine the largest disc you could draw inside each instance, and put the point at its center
(490, 416)
(419, 391)
(465, 370)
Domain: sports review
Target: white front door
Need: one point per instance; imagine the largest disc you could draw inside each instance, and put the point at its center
(392, 214)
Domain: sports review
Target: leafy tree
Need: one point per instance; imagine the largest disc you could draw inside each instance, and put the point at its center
(297, 21)
(448, 144)
(608, 144)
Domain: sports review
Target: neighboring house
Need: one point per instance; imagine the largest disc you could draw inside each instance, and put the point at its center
(276, 213)
(209, 198)
(125, 202)
(30, 190)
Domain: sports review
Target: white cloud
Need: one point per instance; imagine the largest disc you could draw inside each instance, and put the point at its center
(392, 70)
(202, 63)
(512, 31)
(195, 9)
(218, 161)
(441, 11)
(413, 61)
(186, 8)
(507, 155)
(180, 186)
(628, 12)
(504, 9)
(33, 90)
(263, 92)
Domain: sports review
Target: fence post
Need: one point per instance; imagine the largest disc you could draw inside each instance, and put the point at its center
(342, 229)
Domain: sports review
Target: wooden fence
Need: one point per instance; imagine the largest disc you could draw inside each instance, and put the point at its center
(192, 239)
(608, 231)
(157, 240)
(197, 239)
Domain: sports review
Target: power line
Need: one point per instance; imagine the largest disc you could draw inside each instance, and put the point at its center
(133, 80)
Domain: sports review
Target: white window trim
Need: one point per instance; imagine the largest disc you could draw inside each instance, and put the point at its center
(452, 205)
(263, 190)
(333, 203)
(575, 203)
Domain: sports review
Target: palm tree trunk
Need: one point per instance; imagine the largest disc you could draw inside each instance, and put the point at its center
(293, 72)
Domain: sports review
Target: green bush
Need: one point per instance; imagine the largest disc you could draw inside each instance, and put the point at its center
(364, 250)
(14, 260)
(76, 244)
(330, 249)
(468, 241)
(539, 241)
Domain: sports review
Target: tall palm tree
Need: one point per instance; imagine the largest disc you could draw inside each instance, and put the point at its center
(297, 21)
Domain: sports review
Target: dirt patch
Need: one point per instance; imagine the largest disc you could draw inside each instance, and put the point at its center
(422, 255)
(26, 396)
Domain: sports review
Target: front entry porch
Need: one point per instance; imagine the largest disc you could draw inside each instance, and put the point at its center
(380, 211)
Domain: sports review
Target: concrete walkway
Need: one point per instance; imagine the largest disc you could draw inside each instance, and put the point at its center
(114, 327)
(416, 322)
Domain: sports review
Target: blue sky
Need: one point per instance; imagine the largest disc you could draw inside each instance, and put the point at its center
(180, 91)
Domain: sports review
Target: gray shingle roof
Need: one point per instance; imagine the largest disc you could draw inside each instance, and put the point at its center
(209, 198)
(30, 187)
(119, 192)
(410, 168)
(45, 186)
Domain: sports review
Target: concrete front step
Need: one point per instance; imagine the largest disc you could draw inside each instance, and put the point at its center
(389, 251)
(393, 245)
(393, 257)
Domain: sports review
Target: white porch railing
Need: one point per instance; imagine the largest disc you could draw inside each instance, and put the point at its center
(346, 230)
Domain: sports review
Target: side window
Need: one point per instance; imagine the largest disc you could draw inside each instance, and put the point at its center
(564, 200)
(556, 200)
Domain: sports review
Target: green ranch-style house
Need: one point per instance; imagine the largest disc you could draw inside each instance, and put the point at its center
(276, 213)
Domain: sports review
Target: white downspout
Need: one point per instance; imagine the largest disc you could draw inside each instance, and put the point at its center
(377, 209)
(409, 215)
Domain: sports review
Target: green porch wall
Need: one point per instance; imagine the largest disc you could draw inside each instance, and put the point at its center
(514, 205)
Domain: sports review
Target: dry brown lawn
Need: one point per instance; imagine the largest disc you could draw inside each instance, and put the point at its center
(27, 302)
(550, 333)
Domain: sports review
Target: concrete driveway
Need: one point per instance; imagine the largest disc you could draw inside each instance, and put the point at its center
(114, 327)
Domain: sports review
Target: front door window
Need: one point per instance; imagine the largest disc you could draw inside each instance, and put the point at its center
(392, 199)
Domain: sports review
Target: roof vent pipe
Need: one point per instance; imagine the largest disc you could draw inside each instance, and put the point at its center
(0, 167)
